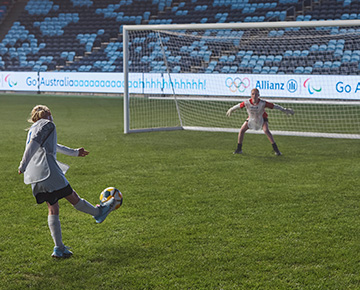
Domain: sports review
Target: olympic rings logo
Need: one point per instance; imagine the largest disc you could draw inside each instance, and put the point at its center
(237, 84)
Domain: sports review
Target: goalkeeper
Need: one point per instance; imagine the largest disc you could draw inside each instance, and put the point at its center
(258, 118)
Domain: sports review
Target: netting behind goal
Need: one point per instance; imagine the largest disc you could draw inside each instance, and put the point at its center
(187, 76)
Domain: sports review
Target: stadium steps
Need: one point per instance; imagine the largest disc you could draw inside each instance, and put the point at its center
(12, 16)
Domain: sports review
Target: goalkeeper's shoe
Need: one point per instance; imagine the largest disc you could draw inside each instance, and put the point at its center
(61, 252)
(276, 149)
(105, 209)
(238, 151)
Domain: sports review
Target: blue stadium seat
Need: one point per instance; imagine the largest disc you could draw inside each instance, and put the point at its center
(225, 69)
(278, 58)
(251, 63)
(308, 70)
(265, 70)
(274, 70)
(256, 70)
(346, 58)
(327, 64)
(233, 69)
(244, 63)
(318, 64)
(299, 70)
(336, 64)
(260, 62)
(223, 58)
(231, 58)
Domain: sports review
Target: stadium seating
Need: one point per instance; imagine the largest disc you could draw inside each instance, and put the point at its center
(85, 36)
(5, 6)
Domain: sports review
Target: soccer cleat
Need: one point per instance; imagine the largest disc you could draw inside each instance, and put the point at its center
(237, 151)
(61, 252)
(105, 209)
(276, 149)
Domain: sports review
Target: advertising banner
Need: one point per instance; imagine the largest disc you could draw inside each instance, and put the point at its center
(16, 81)
(235, 85)
(229, 85)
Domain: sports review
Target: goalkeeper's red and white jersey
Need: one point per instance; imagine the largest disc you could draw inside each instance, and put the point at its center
(256, 110)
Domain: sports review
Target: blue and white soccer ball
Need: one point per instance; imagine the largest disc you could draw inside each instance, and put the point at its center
(111, 192)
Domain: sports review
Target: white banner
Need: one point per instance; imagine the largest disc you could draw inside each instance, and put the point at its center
(63, 82)
(231, 85)
(16, 81)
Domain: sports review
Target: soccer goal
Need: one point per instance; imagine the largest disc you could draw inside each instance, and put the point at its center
(187, 76)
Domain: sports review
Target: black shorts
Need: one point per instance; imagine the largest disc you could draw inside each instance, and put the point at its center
(265, 120)
(53, 197)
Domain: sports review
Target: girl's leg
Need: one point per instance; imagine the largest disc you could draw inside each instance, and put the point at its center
(82, 205)
(98, 212)
(242, 131)
(60, 250)
(54, 224)
(267, 132)
(271, 138)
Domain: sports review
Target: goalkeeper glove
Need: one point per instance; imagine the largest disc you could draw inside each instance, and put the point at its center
(229, 112)
(232, 109)
(289, 112)
(286, 111)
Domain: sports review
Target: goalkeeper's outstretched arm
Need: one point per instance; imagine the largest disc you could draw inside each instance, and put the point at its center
(232, 109)
(284, 110)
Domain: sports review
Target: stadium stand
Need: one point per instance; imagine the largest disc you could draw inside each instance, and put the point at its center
(5, 6)
(85, 36)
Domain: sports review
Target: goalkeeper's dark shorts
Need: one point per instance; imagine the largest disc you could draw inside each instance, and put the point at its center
(265, 120)
(53, 197)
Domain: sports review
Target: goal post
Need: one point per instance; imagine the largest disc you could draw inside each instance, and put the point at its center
(186, 76)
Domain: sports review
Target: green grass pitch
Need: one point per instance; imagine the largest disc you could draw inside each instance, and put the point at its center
(194, 216)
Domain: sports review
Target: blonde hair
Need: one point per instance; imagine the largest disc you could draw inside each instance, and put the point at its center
(38, 112)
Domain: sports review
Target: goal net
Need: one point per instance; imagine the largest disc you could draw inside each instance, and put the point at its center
(188, 76)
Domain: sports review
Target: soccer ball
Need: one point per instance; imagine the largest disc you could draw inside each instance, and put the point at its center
(111, 192)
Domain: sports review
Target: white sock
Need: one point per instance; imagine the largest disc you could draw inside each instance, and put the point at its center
(86, 207)
(55, 230)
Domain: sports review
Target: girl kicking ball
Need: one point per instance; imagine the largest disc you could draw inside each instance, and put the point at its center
(47, 175)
